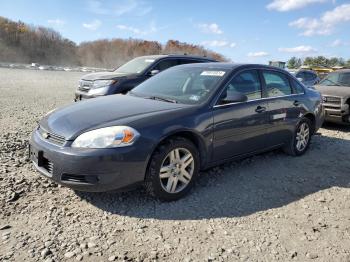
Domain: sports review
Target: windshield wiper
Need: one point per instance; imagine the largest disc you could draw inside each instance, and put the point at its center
(162, 99)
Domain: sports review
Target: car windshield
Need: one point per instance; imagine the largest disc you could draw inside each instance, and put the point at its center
(336, 79)
(136, 65)
(186, 85)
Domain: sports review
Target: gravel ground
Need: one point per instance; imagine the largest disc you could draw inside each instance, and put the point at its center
(271, 207)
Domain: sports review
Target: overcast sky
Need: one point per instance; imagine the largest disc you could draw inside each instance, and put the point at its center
(244, 31)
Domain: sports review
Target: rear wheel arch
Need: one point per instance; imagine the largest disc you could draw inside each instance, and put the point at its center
(300, 135)
(312, 119)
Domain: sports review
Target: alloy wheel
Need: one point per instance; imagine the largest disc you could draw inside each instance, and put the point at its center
(302, 137)
(176, 170)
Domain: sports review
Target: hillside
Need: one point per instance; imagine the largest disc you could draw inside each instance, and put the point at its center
(23, 43)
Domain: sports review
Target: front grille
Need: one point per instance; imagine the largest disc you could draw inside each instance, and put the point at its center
(51, 137)
(332, 107)
(332, 100)
(47, 165)
(85, 85)
(56, 139)
(79, 179)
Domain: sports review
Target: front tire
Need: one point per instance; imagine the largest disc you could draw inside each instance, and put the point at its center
(173, 168)
(301, 138)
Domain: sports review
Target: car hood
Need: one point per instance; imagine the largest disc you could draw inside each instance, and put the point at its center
(341, 91)
(105, 76)
(74, 119)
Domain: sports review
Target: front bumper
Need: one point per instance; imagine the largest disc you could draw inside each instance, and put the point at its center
(81, 95)
(337, 113)
(94, 170)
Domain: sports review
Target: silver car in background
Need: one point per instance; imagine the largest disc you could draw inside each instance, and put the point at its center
(335, 89)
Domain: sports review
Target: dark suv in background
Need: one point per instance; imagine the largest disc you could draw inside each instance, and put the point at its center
(307, 77)
(129, 75)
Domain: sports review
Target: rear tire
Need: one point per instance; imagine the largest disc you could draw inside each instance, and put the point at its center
(301, 139)
(173, 169)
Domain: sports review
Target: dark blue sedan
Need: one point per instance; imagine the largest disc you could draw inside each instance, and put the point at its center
(183, 120)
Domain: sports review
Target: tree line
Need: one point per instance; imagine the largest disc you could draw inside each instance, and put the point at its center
(319, 61)
(23, 43)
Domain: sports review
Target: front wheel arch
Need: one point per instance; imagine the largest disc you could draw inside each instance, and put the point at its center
(190, 135)
(152, 182)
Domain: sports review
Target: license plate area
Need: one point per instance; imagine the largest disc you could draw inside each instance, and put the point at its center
(36, 156)
(43, 164)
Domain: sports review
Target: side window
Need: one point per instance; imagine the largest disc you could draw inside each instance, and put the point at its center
(247, 83)
(277, 84)
(165, 64)
(300, 75)
(309, 76)
(299, 89)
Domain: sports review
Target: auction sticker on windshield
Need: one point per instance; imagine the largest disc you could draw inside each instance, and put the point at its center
(212, 73)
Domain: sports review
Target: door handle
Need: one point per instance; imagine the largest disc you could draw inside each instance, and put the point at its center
(260, 109)
(296, 103)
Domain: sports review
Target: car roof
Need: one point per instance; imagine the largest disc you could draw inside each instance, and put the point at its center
(156, 57)
(232, 66)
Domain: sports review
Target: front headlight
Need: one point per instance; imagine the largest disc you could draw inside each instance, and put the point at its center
(99, 91)
(102, 83)
(107, 137)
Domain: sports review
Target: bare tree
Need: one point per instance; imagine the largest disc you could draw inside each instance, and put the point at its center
(20, 42)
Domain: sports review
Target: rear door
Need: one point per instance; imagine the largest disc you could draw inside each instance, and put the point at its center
(284, 106)
(240, 128)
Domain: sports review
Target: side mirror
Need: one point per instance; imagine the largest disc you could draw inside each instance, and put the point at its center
(153, 72)
(234, 98)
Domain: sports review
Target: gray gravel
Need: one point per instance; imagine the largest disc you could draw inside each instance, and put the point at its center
(271, 207)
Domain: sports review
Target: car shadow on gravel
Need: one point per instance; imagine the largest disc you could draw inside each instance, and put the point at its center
(336, 127)
(244, 187)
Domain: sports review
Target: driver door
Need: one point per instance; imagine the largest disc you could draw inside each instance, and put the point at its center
(241, 128)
